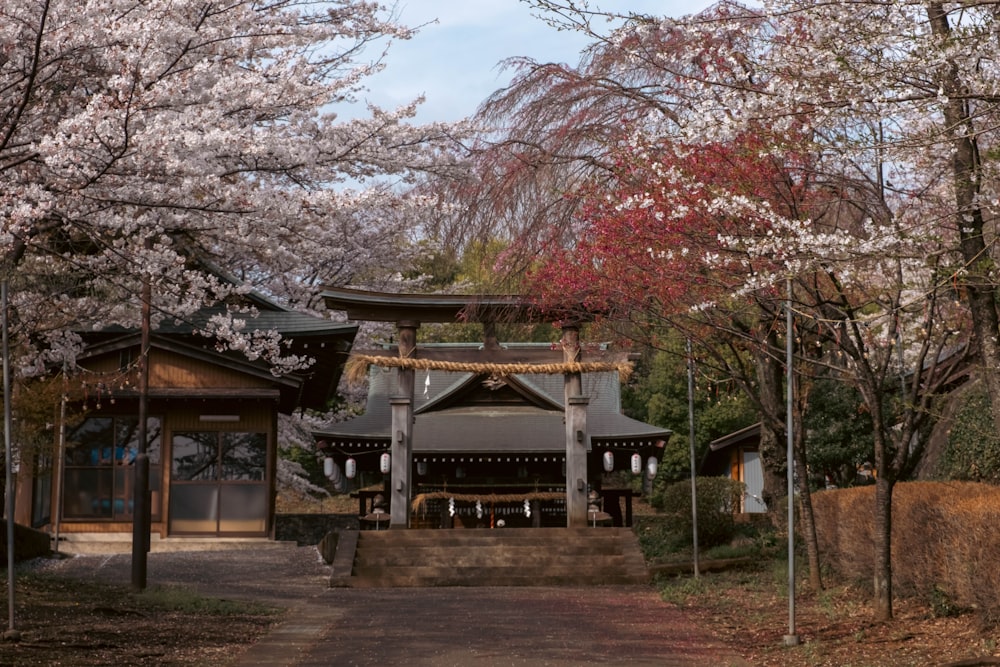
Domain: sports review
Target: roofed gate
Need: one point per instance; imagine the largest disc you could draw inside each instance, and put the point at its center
(409, 311)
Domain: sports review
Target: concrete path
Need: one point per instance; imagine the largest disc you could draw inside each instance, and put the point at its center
(421, 627)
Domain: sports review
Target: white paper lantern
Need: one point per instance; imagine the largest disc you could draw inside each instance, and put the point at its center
(385, 463)
(651, 467)
(328, 467)
(421, 468)
(609, 461)
(350, 468)
(636, 464)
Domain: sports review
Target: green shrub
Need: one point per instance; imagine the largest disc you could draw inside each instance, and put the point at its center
(718, 501)
(973, 451)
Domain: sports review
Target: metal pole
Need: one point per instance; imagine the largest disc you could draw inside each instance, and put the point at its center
(11, 633)
(694, 482)
(140, 493)
(60, 462)
(791, 639)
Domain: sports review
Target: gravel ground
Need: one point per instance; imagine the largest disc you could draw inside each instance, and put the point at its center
(275, 574)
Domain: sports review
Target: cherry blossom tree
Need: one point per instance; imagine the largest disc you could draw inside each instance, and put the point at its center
(883, 110)
(193, 151)
(177, 142)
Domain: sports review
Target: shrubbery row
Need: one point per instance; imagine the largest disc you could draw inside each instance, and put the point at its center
(945, 541)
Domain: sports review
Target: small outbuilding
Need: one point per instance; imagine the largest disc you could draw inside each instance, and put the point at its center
(211, 428)
(737, 456)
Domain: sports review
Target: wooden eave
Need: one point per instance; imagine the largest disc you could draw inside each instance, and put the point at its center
(499, 355)
(193, 352)
(744, 435)
(388, 307)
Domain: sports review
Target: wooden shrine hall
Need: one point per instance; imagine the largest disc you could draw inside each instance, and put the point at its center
(505, 422)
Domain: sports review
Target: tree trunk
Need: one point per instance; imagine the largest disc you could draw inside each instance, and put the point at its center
(773, 446)
(806, 513)
(967, 178)
(883, 548)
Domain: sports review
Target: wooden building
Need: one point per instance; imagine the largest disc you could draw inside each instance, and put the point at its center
(737, 456)
(211, 429)
(488, 448)
(493, 422)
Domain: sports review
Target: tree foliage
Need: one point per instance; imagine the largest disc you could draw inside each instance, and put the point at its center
(658, 394)
(838, 432)
(855, 141)
(179, 141)
(973, 451)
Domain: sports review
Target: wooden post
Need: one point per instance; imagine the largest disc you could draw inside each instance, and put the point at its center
(401, 448)
(577, 438)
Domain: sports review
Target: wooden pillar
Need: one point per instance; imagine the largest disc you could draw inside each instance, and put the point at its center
(401, 448)
(577, 438)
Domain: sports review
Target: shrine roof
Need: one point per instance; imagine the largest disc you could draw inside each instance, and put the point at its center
(451, 413)
(391, 307)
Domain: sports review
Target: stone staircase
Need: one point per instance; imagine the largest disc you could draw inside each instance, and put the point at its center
(506, 557)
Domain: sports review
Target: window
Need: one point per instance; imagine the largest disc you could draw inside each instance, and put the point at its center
(98, 467)
(203, 456)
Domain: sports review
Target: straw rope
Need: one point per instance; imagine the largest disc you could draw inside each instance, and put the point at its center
(357, 367)
(419, 500)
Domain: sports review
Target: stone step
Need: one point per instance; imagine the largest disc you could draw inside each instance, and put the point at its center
(487, 557)
(508, 557)
(444, 538)
(472, 577)
(494, 552)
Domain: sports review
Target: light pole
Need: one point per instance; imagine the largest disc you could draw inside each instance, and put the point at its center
(11, 634)
(694, 482)
(141, 517)
(791, 639)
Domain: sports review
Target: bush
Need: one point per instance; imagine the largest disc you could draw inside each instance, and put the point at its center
(973, 451)
(945, 546)
(718, 501)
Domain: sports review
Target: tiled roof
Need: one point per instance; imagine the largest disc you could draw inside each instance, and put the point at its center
(496, 427)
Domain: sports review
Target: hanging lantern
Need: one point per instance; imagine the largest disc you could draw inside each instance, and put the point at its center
(636, 464)
(350, 468)
(421, 468)
(459, 472)
(328, 467)
(609, 461)
(385, 463)
(651, 467)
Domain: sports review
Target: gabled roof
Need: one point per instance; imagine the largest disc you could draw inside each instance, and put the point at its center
(748, 435)
(453, 412)
(326, 341)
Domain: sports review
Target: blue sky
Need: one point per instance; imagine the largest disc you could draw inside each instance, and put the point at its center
(453, 62)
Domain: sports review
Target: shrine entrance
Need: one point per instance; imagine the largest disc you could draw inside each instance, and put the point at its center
(502, 430)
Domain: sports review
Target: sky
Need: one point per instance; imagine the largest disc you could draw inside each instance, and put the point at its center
(453, 62)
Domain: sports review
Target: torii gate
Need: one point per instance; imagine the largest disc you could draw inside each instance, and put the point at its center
(408, 311)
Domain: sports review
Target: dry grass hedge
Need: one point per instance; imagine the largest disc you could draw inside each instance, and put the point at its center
(945, 540)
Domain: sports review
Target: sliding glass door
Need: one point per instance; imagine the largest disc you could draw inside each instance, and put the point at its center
(219, 483)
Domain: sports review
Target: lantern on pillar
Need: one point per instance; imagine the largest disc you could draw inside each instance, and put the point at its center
(385, 463)
(350, 468)
(651, 465)
(636, 462)
(609, 461)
